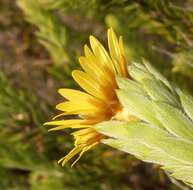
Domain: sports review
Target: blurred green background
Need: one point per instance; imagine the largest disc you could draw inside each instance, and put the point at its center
(40, 42)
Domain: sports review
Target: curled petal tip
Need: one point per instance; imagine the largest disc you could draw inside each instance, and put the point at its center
(46, 123)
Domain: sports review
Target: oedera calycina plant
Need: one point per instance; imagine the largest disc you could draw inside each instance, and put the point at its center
(131, 107)
(164, 132)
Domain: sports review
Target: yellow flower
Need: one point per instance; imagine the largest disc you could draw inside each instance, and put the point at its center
(99, 101)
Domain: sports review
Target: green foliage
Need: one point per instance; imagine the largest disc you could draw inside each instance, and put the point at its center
(164, 134)
(52, 33)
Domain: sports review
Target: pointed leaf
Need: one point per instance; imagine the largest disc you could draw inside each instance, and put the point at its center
(157, 75)
(130, 86)
(154, 138)
(187, 103)
(139, 106)
(159, 92)
(138, 74)
(174, 120)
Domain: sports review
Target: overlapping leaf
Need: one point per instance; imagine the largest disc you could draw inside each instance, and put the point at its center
(164, 134)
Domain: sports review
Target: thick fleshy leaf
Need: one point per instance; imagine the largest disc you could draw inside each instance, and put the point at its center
(130, 86)
(132, 147)
(139, 73)
(187, 103)
(143, 152)
(157, 75)
(185, 173)
(158, 91)
(138, 105)
(158, 140)
(125, 131)
(174, 120)
(140, 66)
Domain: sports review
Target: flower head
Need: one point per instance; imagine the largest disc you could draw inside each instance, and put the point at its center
(99, 101)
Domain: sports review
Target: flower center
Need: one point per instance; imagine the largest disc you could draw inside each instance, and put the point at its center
(124, 115)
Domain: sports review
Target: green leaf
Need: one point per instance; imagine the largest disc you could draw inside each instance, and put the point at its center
(137, 149)
(140, 66)
(174, 120)
(138, 74)
(142, 151)
(185, 173)
(139, 106)
(151, 144)
(125, 130)
(130, 86)
(187, 103)
(157, 75)
(157, 90)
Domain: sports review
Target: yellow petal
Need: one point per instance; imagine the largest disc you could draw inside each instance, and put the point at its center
(87, 101)
(102, 71)
(121, 47)
(90, 68)
(65, 122)
(83, 132)
(92, 60)
(70, 106)
(88, 84)
(85, 139)
(106, 82)
(81, 113)
(74, 95)
(70, 155)
(123, 61)
(83, 151)
(80, 126)
(94, 70)
(63, 114)
(101, 54)
(68, 126)
(114, 49)
(123, 67)
(58, 128)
